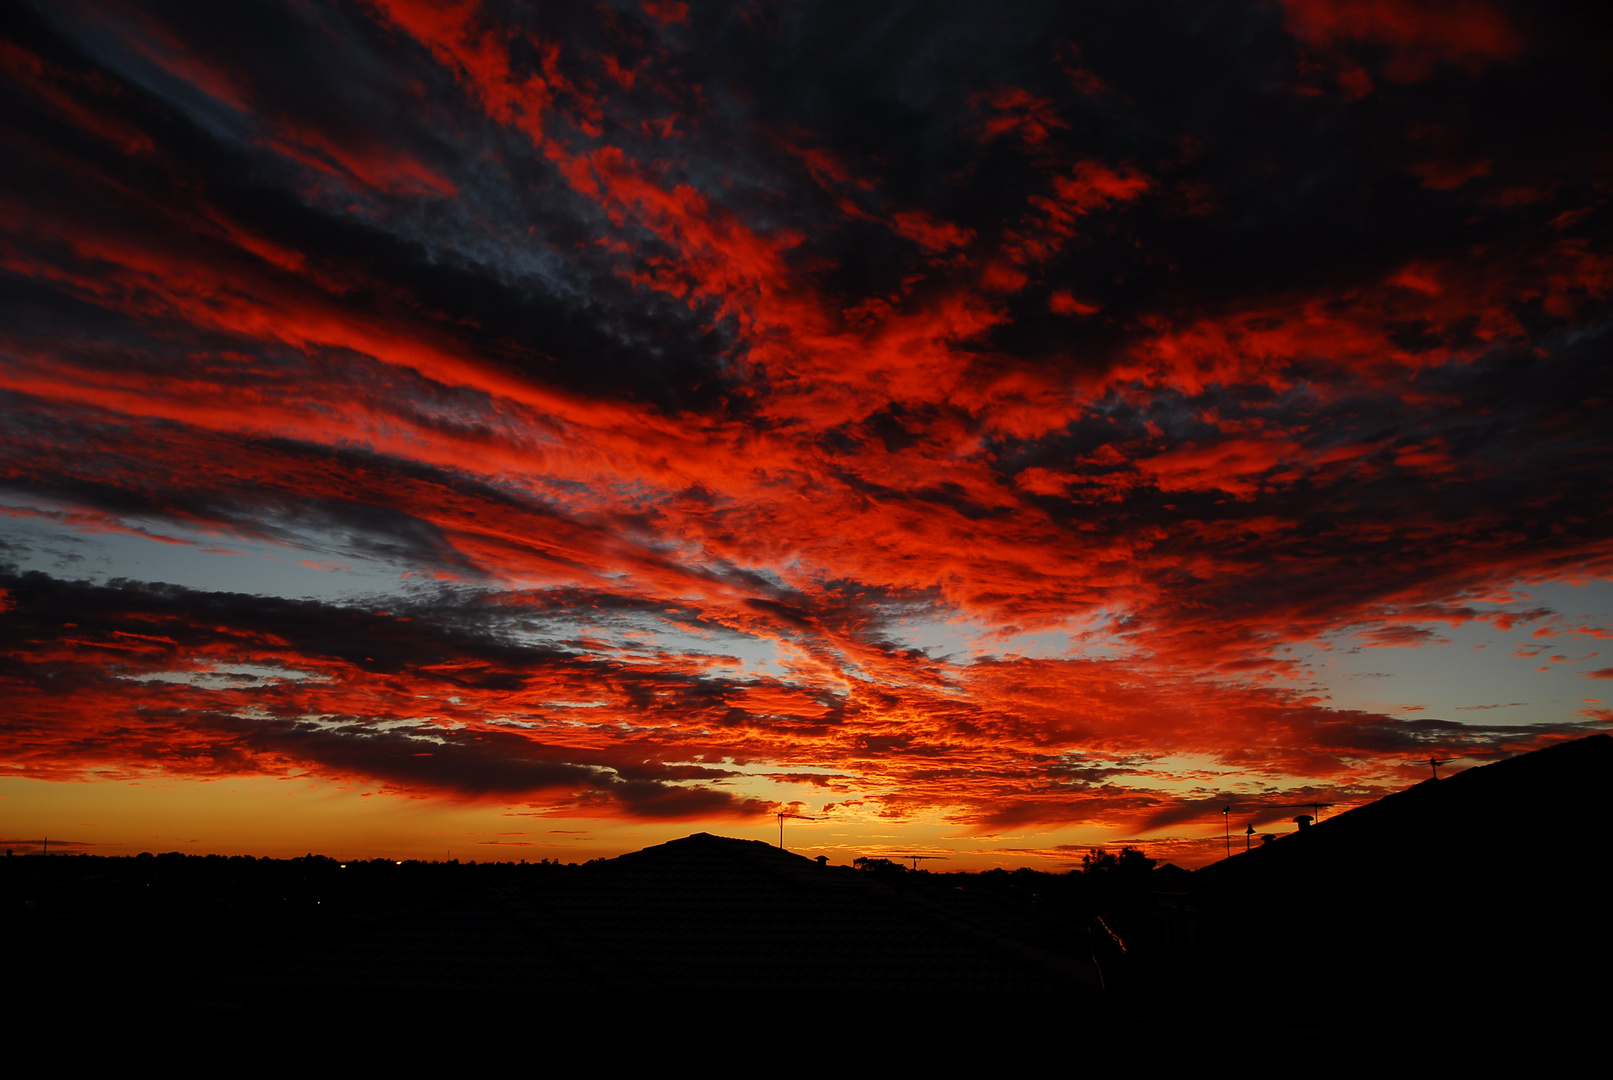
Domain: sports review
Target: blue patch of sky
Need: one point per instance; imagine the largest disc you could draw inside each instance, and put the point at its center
(961, 640)
(174, 554)
(1476, 673)
(650, 636)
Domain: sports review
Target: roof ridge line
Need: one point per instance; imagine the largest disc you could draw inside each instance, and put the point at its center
(1064, 965)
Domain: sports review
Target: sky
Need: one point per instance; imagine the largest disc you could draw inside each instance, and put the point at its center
(985, 431)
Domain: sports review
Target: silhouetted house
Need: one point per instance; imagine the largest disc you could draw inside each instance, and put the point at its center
(1487, 888)
(701, 914)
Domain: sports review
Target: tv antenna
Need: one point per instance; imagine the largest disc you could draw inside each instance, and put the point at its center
(782, 814)
(915, 859)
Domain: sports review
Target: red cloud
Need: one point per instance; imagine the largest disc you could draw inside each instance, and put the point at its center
(1018, 111)
(1024, 515)
(378, 167)
(666, 11)
(1089, 186)
(1421, 35)
(928, 233)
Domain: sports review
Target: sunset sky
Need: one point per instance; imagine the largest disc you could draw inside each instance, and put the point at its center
(985, 430)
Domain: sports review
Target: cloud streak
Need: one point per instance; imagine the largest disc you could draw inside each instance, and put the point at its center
(998, 423)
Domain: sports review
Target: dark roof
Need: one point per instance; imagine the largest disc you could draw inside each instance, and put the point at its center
(483, 942)
(1548, 803)
(704, 913)
(714, 913)
(1490, 884)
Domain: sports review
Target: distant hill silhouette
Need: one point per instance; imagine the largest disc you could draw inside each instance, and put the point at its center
(1486, 889)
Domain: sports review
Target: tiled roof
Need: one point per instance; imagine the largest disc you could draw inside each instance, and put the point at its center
(707, 912)
(703, 913)
(1447, 830)
(1482, 889)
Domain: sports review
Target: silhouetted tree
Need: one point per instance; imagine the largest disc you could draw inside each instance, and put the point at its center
(881, 867)
(1129, 863)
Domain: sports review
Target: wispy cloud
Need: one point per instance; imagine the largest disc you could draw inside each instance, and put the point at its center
(964, 428)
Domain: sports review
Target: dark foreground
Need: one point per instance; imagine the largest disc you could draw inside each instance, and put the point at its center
(1477, 899)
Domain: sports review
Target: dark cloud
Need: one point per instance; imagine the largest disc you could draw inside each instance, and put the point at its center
(714, 379)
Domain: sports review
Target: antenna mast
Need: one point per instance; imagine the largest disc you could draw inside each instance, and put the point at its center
(782, 814)
(916, 858)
